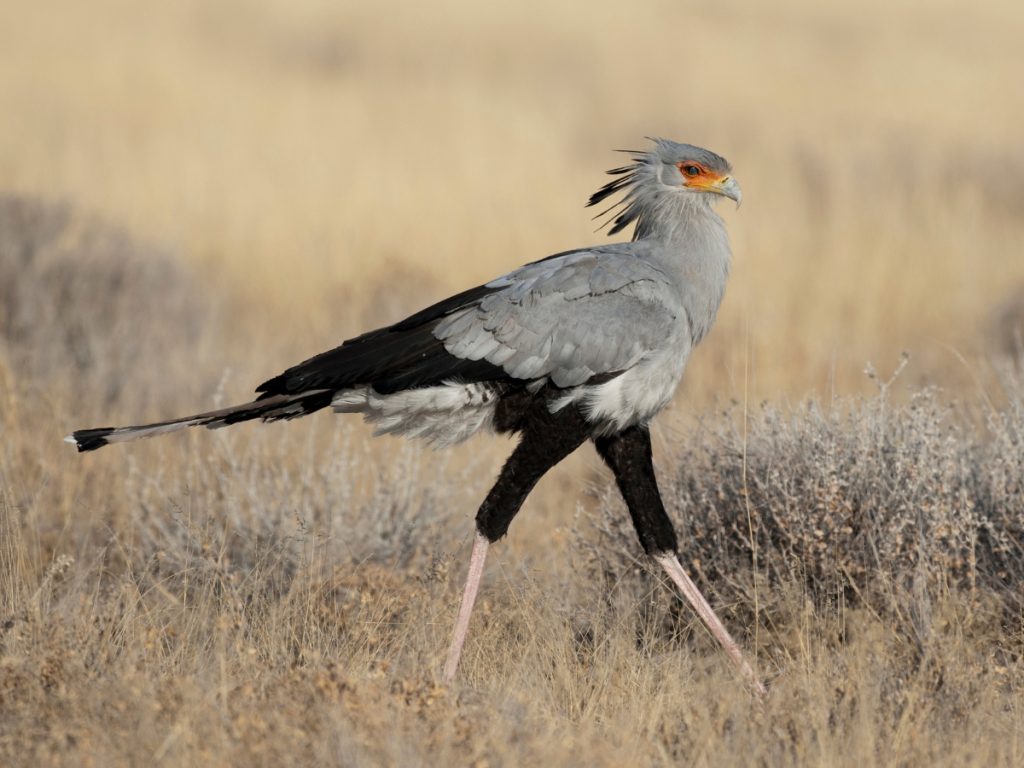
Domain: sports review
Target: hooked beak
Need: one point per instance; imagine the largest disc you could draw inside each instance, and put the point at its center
(727, 186)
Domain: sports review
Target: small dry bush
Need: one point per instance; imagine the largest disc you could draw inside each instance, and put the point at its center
(888, 506)
(84, 306)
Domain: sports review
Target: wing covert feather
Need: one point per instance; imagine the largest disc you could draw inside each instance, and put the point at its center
(569, 319)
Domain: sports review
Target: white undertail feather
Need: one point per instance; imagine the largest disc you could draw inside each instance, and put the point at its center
(442, 415)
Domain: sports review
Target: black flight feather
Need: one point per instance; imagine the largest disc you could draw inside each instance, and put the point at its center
(401, 356)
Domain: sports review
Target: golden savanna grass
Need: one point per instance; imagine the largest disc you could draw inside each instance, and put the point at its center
(194, 195)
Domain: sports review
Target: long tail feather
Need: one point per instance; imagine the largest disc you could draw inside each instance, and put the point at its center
(271, 408)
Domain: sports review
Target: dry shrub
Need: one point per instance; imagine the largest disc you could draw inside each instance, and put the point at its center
(86, 307)
(888, 505)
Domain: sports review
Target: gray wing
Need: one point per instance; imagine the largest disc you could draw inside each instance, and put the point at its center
(569, 318)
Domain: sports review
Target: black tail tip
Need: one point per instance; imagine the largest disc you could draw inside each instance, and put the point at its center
(89, 439)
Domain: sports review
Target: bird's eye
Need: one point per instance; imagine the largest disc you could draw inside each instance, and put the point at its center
(691, 170)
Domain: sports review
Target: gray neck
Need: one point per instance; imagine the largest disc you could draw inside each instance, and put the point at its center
(692, 245)
(672, 217)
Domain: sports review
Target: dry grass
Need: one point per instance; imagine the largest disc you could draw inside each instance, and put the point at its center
(195, 195)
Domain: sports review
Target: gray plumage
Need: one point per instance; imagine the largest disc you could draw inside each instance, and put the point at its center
(609, 327)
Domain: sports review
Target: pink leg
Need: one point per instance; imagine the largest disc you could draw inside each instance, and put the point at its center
(476, 570)
(675, 572)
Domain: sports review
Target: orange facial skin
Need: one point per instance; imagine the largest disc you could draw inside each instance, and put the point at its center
(704, 179)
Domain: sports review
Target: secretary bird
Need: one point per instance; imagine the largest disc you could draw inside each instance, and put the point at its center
(585, 344)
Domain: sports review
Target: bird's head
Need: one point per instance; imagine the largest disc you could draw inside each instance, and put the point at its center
(667, 170)
(696, 171)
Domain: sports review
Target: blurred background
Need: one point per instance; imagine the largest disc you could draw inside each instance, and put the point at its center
(197, 194)
(303, 169)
